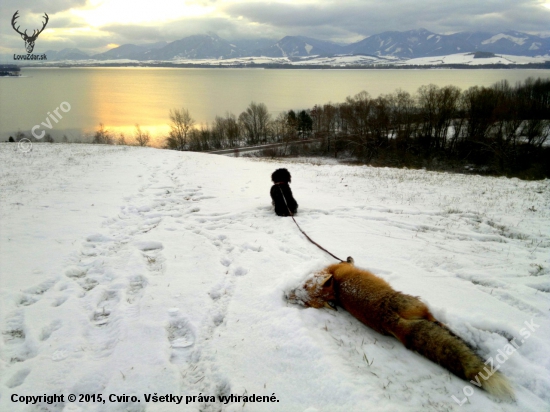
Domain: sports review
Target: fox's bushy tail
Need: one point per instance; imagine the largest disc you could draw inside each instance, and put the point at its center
(440, 345)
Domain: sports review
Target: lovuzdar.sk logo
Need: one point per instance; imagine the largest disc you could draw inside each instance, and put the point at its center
(29, 40)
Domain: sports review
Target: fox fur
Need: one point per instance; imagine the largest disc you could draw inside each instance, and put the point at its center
(375, 303)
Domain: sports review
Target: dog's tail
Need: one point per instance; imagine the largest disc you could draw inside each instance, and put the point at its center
(439, 344)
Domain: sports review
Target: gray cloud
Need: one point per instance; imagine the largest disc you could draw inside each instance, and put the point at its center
(342, 21)
(80, 41)
(66, 22)
(177, 29)
(368, 17)
(33, 6)
(129, 33)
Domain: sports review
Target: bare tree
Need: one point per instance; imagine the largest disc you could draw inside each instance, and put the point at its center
(225, 131)
(255, 123)
(182, 123)
(102, 135)
(142, 137)
(121, 140)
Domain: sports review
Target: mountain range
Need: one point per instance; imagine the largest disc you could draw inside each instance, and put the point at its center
(401, 45)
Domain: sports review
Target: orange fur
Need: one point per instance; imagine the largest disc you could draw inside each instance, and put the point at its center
(375, 303)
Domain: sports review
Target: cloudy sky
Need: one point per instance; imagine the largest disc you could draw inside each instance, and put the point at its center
(98, 25)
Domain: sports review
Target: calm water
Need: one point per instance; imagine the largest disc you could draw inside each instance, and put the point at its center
(122, 97)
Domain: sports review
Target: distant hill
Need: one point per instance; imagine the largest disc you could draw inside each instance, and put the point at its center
(129, 51)
(126, 51)
(67, 54)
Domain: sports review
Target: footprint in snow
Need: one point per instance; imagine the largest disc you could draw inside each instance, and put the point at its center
(218, 319)
(135, 288)
(34, 293)
(18, 378)
(75, 273)
(59, 300)
(248, 246)
(98, 238)
(88, 284)
(101, 315)
(240, 271)
(14, 333)
(221, 289)
(145, 246)
(180, 335)
(48, 330)
(17, 347)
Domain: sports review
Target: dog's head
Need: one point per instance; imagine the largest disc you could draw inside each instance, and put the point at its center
(281, 176)
(317, 292)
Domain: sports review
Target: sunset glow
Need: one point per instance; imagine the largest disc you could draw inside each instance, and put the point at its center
(118, 12)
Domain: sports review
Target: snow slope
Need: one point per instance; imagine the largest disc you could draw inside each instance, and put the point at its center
(343, 60)
(136, 271)
(468, 58)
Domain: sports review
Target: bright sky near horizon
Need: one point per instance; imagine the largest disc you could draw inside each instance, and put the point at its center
(97, 25)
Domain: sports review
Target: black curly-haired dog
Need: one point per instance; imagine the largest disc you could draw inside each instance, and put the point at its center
(280, 192)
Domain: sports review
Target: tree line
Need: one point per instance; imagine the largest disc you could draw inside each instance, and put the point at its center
(501, 129)
(254, 126)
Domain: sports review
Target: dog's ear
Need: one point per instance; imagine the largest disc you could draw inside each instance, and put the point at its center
(327, 281)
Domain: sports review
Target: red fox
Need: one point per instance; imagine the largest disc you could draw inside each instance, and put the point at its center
(373, 301)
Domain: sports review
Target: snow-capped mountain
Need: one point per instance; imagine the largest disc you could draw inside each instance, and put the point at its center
(403, 45)
(423, 43)
(409, 44)
(513, 42)
(299, 46)
(253, 47)
(194, 47)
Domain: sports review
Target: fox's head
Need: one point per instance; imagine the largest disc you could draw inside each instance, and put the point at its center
(317, 292)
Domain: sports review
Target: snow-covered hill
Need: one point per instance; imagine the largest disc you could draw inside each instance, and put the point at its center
(470, 59)
(137, 272)
(423, 43)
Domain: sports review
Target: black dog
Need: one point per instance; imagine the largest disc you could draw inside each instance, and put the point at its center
(280, 192)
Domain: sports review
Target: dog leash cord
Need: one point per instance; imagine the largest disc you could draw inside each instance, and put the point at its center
(304, 233)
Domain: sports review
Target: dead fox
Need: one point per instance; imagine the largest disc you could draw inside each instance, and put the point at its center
(373, 301)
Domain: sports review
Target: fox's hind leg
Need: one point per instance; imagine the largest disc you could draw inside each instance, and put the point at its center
(412, 308)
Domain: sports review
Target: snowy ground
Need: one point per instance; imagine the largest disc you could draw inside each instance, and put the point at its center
(141, 271)
(468, 58)
(334, 61)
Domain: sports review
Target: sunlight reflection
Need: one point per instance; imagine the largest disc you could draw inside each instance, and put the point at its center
(146, 102)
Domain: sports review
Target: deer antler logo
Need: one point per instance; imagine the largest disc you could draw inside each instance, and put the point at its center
(29, 40)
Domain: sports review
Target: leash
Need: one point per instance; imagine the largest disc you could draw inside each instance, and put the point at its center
(305, 234)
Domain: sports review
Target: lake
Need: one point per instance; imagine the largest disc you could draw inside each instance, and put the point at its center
(122, 97)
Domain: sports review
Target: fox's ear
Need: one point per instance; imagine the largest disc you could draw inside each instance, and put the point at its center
(327, 282)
